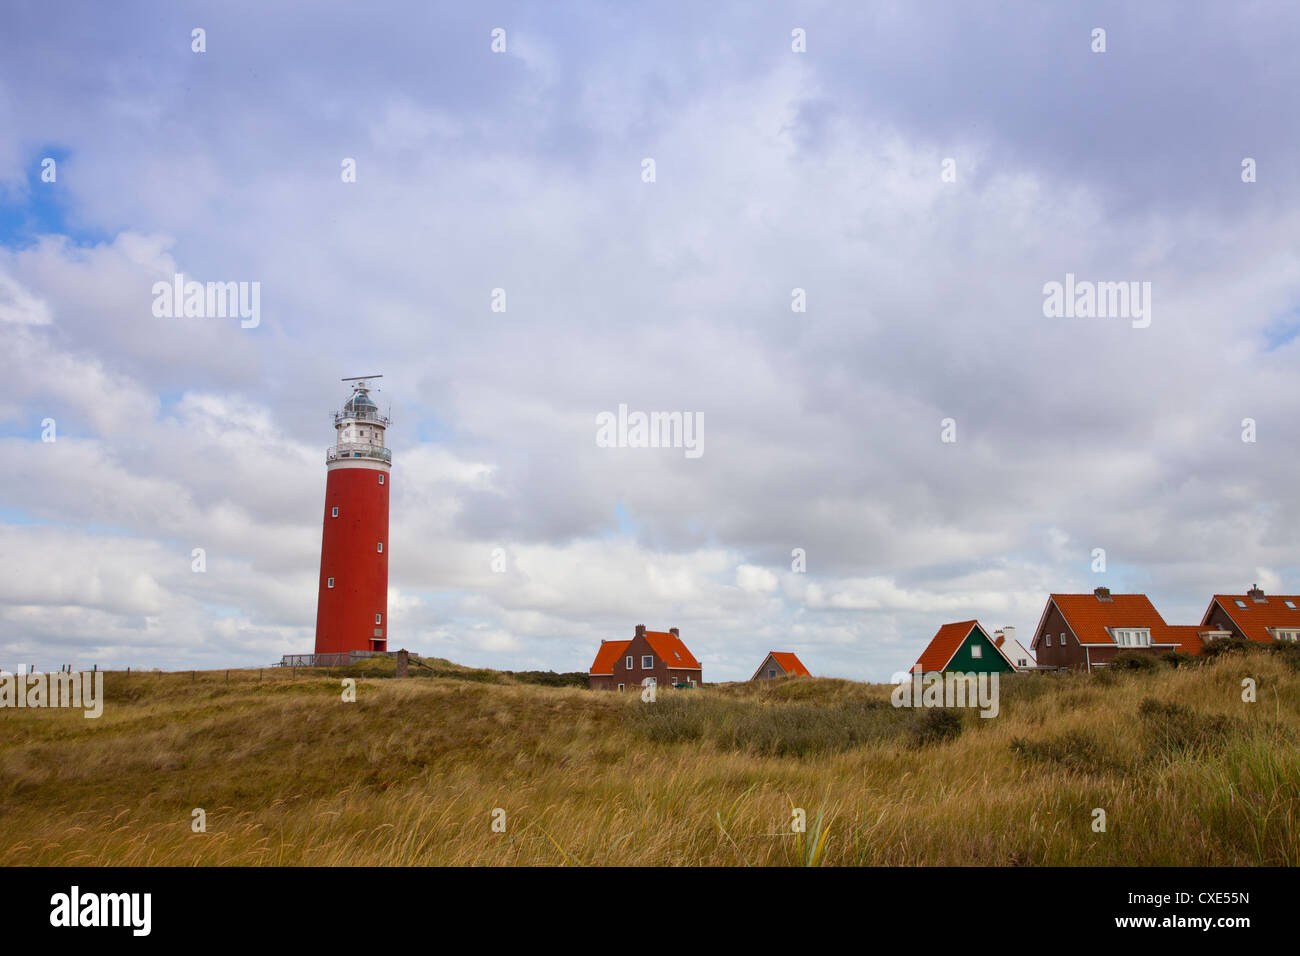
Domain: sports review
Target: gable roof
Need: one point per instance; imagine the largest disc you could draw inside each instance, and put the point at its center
(790, 663)
(787, 661)
(609, 652)
(944, 645)
(670, 649)
(1087, 617)
(667, 647)
(1257, 617)
(1187, 637)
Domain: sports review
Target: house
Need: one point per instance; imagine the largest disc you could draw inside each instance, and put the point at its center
(1254, 616)
(657, 657)
(964, 648)
(780, 664)
(1005, 639)
(1082, 631)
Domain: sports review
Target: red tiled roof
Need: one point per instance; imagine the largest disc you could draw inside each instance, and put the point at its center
(609, 652)
(790, 663)
(1257, 617)
(670, 649)
(942, 646)
(1089, 617)
(1186, 636)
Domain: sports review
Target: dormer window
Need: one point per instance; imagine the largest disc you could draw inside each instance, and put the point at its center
(1132, 636)
(1290, 604)
(1286, 634)
(1240, 603)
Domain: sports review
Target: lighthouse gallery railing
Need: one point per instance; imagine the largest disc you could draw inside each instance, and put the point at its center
(357, 450)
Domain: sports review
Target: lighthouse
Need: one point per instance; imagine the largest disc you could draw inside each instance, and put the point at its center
(352, 607)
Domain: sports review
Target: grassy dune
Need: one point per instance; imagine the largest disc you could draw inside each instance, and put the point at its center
(411, 773)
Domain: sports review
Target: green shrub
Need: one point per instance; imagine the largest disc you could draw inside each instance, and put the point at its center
(1135, 661)
(935, 725)
(1289, 652)
(1178, 659)
(1175, 730)
(1227, 645)
(1074, 750)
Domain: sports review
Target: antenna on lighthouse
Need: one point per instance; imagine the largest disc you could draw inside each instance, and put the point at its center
(359, 378)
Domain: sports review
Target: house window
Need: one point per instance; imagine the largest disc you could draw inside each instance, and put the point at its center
(1133, 637)
(381, 547)
(1023, 662)
(1290, 604)
(329, 582)
(647, 662)
(381, 478)
(976, 651)
(771, 673)
(334, 513)
(1286, 633)
(1062, 640)
(620, 686)
(1240, 602)
(629, 662)
(379, 619)
(1049, 640)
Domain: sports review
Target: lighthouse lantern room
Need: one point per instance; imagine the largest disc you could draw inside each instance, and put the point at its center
(352, 608)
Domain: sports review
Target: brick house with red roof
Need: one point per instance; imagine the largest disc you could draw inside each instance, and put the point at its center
(780, 664)
(657, 655)
(1083, 631)
(1254, 616)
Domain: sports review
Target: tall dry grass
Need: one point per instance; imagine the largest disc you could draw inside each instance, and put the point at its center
(411, 773)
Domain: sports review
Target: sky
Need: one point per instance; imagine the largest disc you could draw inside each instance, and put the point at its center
(921, 171)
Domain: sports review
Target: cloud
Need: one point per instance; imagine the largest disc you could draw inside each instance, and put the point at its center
(775, 171)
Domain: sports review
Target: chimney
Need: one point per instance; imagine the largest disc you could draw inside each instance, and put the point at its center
(1256, 595)
(1009, 633)
(1103, 594)
(640, 630)
(674, 632)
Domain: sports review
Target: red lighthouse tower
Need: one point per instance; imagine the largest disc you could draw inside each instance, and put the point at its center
(352, 610)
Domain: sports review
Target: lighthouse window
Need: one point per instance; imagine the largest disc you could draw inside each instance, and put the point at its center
(379, 619)
(334, 513)
(381, 479)
(329, 583)
(381, 547)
